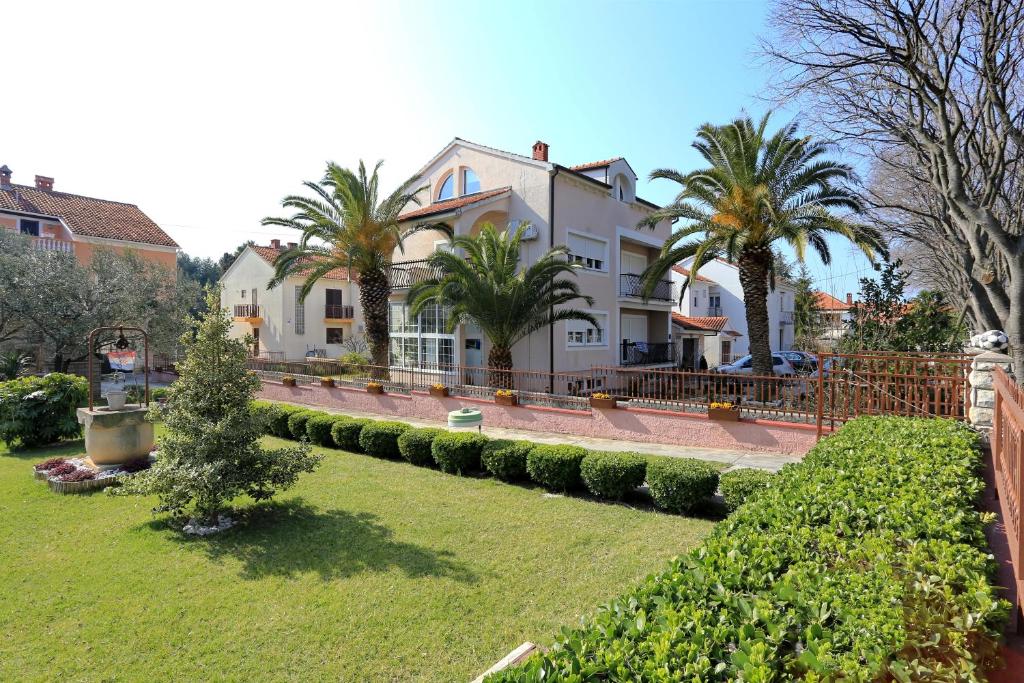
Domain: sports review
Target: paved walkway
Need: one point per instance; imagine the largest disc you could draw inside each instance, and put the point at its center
(733, 458)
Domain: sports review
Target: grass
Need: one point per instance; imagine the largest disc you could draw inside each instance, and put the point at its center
(368, 570)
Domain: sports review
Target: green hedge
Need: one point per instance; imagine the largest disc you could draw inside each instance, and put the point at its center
(266, 412)
(556, 468)
(506, 459)
(680, 485)
(279, 423)
(345, 433)
(612, 475)
(318, 428)
(458, 452)
(381, 438)
(739, 485)
(297, 423)
(414, 445)
(866, 562)
(35, 411)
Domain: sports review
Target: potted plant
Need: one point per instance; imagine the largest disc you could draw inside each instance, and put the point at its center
(506, 397)
(288, 381)
(327, 382)
(725, 411)
(602, 401)
(438, 390)
(374, 388)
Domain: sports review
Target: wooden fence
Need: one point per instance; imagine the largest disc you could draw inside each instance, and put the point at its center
(1007, 441)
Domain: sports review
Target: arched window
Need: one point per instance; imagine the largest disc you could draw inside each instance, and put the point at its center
(447, 190)
(623, 188)
(470, 183)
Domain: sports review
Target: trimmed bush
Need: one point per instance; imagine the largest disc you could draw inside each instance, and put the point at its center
(414, 445)
(279, 422)
(458, 452)
(865, 562)
(266, 412)
(381, 438)
(345, 432)
(297, 423)
(506, 459)
(35, 411)
(680, 485)
(556, 468)
(612, 476)
(737, 486)
(318, 428)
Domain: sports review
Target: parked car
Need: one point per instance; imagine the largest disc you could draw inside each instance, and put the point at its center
(744, 366)
(804, 363)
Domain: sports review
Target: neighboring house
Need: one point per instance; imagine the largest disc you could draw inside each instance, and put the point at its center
(281, 326)
(591, 208)
(71, 223)
(834, 316)
(711, 321)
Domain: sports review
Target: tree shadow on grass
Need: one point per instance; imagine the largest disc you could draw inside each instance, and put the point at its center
(290, 538)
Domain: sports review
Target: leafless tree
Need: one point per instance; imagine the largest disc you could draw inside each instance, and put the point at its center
(931, 92)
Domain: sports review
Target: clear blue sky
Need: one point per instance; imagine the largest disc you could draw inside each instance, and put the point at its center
(207, 114)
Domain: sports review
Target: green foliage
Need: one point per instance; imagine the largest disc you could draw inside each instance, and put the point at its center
(680, 485)
(358, 360)
(345, 433)
(318, 429)
(739, 485)
(458, 452)
(556, 468)
(381, 438)
(414, 445)
(612, 475)
(267, 413)
(866, 562)
(297, 423)
(211, 452)
(39, 410)
(808, 324)
(506, 459)
(279, 420)
(14, 363)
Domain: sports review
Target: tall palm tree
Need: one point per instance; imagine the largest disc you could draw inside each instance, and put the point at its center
(485, 286)
(757, 192)
(345, 225)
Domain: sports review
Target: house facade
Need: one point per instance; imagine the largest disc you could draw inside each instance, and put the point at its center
(834, 314)
(710, 321)
(79, 225)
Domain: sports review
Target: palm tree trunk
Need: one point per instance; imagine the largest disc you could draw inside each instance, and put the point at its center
(499, 366)
(753, 265)
(374, 290)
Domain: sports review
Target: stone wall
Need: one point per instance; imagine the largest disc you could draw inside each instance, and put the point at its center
(983, 397)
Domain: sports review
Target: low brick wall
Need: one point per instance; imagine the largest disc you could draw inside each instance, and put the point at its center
(631, 424)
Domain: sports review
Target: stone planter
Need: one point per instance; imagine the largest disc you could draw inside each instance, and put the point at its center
(724, 414)
(376, 390)
(603, 403)
(288, 381)
(327, 382)
(439, 393)
(508, 401)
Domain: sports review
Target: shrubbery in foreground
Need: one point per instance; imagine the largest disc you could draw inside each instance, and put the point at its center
(35, 411)
(866, 562)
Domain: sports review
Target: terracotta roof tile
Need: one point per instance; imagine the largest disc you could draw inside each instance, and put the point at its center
(269, 254)
(595, 164)
(707, 323)
(700, 278)
(827, 302)
(452, 204)
(87, 216)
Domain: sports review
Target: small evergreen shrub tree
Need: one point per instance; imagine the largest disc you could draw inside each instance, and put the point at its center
(612, 476)
(680, 485)
(35, 411)
(506, 459)
(297, 423)
(211, 452)
(458, 452)
(318, 429)
(380, 439)
(556, 468)
(739, 485)
(414, 445)
(345, 433)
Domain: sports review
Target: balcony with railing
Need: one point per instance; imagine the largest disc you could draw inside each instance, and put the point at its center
(338, 312)
(632, 285)
(252, 313)
(714, 312)
(647, 353)
(404, 274)
(50, 244)
(786, 317)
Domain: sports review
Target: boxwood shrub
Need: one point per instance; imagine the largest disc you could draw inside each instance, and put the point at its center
(414, 445)
(612, 476)
(266, 412)
(506, 459)
(380, 439)
(318, 428)
(279, 421)
(458, 452)
(35, 411)
(297, 422)
(556, 468)
(865, 562)
(345, 432)
(679, 484)
(737, 486)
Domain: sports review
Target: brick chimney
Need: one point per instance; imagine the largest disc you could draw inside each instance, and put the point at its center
(44, 183)
(276, 244)
(540, 151)
(849, 299)
(292, 245)
(5, 177)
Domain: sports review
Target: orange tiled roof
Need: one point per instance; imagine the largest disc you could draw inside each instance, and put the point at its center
(269, 254)
(595, 164)
(827, 302)
(87, 216)
(700, 278)
(706, 323)
(452, 204)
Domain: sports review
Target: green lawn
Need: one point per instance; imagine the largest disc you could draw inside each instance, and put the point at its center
(368, 570)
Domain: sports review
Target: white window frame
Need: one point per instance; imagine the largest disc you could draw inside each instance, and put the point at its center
(440, 187)
(597, 238)
(418, 335)
(585, 345)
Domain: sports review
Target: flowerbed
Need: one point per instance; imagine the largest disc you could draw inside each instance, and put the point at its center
(865, 562)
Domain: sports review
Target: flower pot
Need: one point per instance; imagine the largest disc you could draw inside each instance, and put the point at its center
(288, 381)
(439, 393)
(378, 390)
(724, 414)
(116, 399)
(603, 403)
(329, 382)
(507, 400)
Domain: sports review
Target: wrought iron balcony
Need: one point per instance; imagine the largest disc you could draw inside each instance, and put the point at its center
(714, 311)
(338, 312)
(405, 274)
(631, 284)
(647, 353)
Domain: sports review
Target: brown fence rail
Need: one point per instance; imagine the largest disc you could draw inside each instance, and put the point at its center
(1008, 456)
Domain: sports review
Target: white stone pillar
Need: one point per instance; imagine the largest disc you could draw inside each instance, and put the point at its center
(983, 397)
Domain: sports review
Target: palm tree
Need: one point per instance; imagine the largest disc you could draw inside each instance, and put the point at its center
(758, 191)
(486, 287)
(344, 226)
